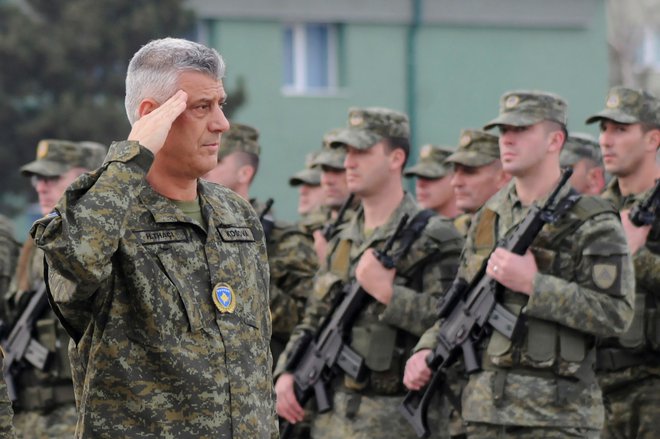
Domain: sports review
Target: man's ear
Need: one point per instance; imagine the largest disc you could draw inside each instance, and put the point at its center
(147, 106)
(246, 174)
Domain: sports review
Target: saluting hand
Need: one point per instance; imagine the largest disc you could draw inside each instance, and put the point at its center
(513, 271)
(155, 121)
(375, 279)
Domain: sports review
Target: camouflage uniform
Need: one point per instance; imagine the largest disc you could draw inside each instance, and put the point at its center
(629, 366)
(169, 315)
(542, 384)
(45, 407)
(8, 254)
(383, 334)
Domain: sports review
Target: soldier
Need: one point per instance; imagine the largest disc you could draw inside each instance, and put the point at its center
(574, 284)
(478, 173)
(404, 297)
(432, 186)
(291, 254)
(582, 153)
(8, 255)
(308, 182)
(170, 307)
(45, 407)
(629, 366)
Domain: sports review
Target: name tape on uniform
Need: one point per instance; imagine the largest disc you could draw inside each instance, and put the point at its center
(162, 236)
(236, 234)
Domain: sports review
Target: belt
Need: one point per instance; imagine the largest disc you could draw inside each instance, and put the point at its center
(612, 359)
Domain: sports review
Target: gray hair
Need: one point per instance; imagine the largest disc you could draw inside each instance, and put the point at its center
(154, 70)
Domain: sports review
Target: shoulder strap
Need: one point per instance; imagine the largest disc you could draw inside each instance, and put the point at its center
(413, 230)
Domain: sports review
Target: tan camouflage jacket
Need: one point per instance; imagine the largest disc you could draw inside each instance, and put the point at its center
(422, 276)
(8, 258)
(170, 316)
(569, 297)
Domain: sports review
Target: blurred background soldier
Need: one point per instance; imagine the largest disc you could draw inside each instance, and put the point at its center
(291, 255)
(45, 407)
(308, 182)
(582, 153)
(477, 175)
(432, 186)
(629, 365)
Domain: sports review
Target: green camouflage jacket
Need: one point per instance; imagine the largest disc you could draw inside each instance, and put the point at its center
(422, 275)
(569, 297)
(8, 257)
(170, 317)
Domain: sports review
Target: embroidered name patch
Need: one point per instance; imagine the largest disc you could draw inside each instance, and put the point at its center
(230, 234)
(162, 236)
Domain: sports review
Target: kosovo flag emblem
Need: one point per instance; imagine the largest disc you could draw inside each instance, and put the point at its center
(224, 298)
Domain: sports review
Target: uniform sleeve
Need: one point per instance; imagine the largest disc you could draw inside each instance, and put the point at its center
(414, 310)
(600, 300)
(647, 267)
(81, 235)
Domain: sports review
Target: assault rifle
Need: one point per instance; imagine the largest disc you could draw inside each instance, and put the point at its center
(21, 345)
(646, 211)
(330, 229)
(267, 223)
(317, 359)
(471, 311)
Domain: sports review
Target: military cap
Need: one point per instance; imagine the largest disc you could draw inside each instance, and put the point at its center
(368, 126)
(431, 163)
(629, 105)
(331, 158)
(524, 108)
(239, 137)
(580, 146)
(475, 148)
(56, 157)
(311, 175)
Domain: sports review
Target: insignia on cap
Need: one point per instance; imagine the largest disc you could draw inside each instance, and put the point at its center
(511, 101)
(465, 140)
(42, 149)
(355, 119)
(425, 151)
(223, 297)
(613, 101)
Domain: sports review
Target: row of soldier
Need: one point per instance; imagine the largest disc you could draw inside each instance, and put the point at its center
(579, 278)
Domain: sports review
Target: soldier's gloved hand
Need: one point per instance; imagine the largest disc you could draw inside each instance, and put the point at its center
(417, 373)
(286, 403)
(153, 126)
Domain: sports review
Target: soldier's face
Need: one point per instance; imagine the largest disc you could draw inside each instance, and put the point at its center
(522, 149)
(474, 185)
(335, 189)
(367, 170)
(50, 189)
(434, 193)
(309, 198)
(226, 172)
(623, 147)
(191, 148)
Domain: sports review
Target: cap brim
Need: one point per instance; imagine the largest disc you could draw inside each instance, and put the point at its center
(512, 119)
(473, 160)
(356, 138)
(45, 168)
(308, 176)
(616, 116)
(425, 171)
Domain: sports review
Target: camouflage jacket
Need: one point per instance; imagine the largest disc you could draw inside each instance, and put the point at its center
(170, 317)
(517, 387)
(643, 336)
(422, 275)
(6, 413)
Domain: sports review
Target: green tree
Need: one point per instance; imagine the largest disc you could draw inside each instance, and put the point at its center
(62, 70)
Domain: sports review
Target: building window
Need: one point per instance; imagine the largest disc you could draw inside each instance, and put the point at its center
(310, 59)
(649, 53)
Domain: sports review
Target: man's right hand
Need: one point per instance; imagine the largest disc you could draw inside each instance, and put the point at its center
(286, 403)
(417, 373)
(153, 127)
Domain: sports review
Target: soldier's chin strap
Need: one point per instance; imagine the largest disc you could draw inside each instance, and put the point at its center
(75, 335)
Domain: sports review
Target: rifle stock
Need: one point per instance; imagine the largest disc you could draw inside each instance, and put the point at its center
(471, 311)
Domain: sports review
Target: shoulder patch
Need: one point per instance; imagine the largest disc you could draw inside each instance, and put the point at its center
(604, 275)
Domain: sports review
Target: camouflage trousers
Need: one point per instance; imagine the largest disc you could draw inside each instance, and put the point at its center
(491, 431)
(56, 424)
(633, 411)
(355, 416)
